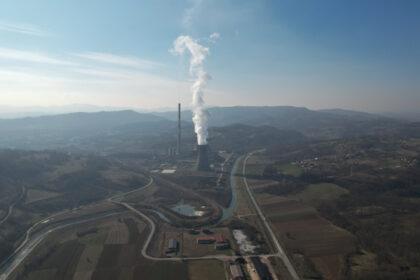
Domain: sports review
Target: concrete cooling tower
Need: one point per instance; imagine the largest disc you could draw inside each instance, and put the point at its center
(203, 158)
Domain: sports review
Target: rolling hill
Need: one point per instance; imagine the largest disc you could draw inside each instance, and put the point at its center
(128, 131)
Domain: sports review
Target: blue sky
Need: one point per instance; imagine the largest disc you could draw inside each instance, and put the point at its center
(356, 54)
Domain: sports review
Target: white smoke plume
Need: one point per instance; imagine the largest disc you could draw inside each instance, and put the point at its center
(198, 54)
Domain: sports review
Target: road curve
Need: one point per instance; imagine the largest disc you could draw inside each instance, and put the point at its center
(33, 243)
(152, 232)
(10, 210)
(20, 254)
(280, 251)
(117, 200)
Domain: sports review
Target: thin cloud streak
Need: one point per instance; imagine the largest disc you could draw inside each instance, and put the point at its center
(129, 61)
(30, 56)
(84, 82)
(23, 28)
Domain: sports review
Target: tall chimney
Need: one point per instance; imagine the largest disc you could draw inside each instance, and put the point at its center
(178, 143)
(203, 158)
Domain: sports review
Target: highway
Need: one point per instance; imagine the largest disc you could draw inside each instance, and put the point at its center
(280, 251)
(31, 241)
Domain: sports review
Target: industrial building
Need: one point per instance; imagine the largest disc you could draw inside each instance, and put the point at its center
(205, 240)
(236, 272)
(173, 246)
(221, 243)
(261, 269)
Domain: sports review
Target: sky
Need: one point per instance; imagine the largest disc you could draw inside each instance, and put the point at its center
(353, 54)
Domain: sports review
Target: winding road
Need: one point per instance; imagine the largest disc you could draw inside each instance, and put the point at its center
(31, 240)
(30, 243)
(10, 210)
(280, 251)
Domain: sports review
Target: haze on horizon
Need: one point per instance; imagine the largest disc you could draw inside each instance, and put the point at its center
(362, 55)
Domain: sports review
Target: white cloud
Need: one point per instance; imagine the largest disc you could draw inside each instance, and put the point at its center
(30, 56)
(214, 37)
(129, 61)
(23, 28)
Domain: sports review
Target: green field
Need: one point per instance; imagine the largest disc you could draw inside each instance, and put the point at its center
(316, 193)
(290, 169)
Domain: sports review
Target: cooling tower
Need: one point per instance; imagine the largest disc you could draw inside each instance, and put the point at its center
(203, 158)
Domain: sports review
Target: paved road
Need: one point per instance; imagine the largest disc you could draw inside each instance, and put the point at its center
(117, 200)
(30, 241)
(280, 252)
(10, 210)
(118, 197)
(152, 232)
(29, 244)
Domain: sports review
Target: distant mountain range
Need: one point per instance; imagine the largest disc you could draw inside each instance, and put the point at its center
(12, 112)
(84, 131)
(332, 123)
(127, 130)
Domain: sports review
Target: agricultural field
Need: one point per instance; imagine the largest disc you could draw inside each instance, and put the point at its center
(34, 195)
(290, 169)
(55, 182)
(206, 270)
(89, 254)
(353, 212)
(316, 245)
(315, 194)
(303, 231)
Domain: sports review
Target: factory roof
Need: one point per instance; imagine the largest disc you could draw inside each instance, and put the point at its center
(206, 238)
(220, 238)
(262, 269)
(236, 271)
(172, 244)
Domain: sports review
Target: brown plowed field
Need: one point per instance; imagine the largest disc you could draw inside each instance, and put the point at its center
(301, 229)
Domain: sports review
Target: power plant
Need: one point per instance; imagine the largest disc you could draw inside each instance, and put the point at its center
(203, 158)
(203, 163)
